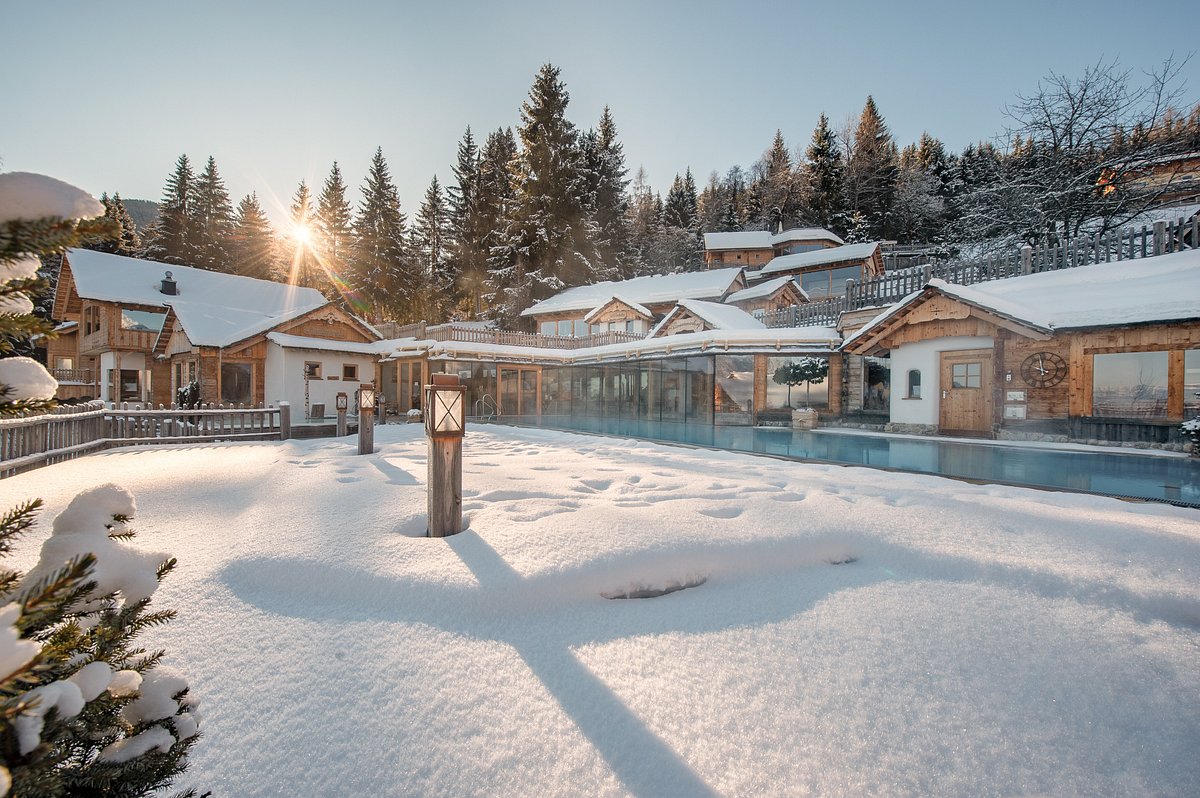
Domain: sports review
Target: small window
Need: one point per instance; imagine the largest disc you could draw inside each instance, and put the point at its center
(581, 328)
(191, 371)
(914, 384)
(350, 371)
(564, 327)
(549, 328)
(312, 370)
(64, 363)
(965, 375)
(630, 325)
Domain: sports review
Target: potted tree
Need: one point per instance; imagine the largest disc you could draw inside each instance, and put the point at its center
(806, 371)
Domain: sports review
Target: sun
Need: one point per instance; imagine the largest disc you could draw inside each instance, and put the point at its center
(302, 234)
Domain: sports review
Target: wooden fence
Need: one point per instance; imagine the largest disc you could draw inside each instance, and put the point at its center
(74, 430)
(1126, 244)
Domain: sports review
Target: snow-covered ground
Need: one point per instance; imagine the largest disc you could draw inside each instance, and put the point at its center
(858, 632)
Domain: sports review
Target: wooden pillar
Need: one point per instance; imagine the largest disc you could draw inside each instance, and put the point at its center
(444, 488)
(285, 420)
(835, 383)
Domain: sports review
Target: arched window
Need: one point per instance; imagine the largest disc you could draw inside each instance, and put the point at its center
(914, 384)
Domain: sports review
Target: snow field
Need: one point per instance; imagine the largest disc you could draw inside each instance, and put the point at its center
(983, 640)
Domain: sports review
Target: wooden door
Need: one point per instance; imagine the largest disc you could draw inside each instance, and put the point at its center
(966, 392)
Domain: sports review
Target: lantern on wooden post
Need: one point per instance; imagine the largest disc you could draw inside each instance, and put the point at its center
(342, 402)
(445, 423)
(366, 418)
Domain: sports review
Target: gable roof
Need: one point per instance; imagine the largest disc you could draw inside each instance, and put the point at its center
(820, 257)
(715, 315)
(635, 307)
(215, 309)
(1158, 289)
(660, 288)
(764, 239)
(766, 289)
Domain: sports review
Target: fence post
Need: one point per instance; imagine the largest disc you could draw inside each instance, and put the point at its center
(1160, 237)
(1026, 259)
(926, 273)
(285, 420)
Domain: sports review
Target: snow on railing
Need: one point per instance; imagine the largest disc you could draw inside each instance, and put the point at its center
(74, 430)
(1127, 244)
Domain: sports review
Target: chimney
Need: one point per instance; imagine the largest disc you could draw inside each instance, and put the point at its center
(168, 286)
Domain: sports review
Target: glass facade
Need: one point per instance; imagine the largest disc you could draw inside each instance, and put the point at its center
(781, 396)
(1130, 385)
(828, 282)
(877, 384)
(1191, 383)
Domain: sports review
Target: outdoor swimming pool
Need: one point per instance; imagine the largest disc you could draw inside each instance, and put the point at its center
(1143, 476)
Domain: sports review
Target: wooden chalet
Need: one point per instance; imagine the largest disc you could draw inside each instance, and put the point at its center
(145, 329)
(826, 272)
(1109, 352)
(753, 249)
(769, 296)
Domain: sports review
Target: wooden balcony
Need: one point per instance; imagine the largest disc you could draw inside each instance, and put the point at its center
(476, 335)
(72, 376)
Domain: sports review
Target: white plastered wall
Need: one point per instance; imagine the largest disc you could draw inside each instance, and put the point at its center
(284, 379)
(925, 357)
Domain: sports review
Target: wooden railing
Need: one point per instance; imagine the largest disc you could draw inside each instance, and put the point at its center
(71, 431)
(480, 335)
(1127, 244)
(79, 376)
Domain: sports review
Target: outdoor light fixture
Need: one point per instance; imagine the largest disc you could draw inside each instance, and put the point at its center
(342, 402)
(366, 397)
(445, 407)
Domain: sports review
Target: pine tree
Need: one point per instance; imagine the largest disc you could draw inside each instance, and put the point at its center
(780, 194)
(872, 171)
(431, 238)
(824, 176)
(468, 230)
(611, 201)
(680, 208)
(173, 234)
(212, 221)
(495, 199)
(334, 227)
(305, 268)
(68, 724)
(550, 234)
(126, 240)
(384, 279)
(252, 242)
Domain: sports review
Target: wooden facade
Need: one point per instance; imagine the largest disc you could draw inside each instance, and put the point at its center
(1021, 388)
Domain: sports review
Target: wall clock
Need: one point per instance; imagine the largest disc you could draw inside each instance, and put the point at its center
(1043, 369)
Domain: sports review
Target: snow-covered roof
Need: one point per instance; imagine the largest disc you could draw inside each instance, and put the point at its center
(764, 239)
(716, 315)
(765, 289)
(215, 309)
(634, 306)
(657, 289)
(820, 257)
(327, 345)
(1163, 288)
(760, 339)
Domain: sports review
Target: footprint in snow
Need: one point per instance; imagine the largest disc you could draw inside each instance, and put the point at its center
(722, 512)
(349, 479)
(788, 497)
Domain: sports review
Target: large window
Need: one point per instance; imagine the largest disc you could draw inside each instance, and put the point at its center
(877, 383)
(735, 386)
(1191, 383)
(782, 396)
(142, 320)
(236, 385)
(1130, 385)
(829, 281)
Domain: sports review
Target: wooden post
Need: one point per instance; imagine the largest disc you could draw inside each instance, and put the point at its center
(1026, 259)
(445, 420)
(342, 400)
(1160, 237)
(285, 420)
(366, 418)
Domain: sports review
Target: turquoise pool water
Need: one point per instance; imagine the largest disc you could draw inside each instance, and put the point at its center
(1171, 479)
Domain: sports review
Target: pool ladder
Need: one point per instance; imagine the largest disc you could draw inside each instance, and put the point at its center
(485, 408)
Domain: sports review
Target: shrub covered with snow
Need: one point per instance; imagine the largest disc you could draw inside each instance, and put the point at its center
(83, 710)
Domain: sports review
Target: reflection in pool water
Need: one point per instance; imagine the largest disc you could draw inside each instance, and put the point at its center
(1172, 479)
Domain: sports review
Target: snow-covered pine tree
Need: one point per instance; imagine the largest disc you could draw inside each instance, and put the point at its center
(126, 241)
(496, 195)
(780, 190)
(824, 176)
(252, 243)
(550, 232)
(917, 210)
(212, 221)
(430, 239)
(467, 234)
(83, 710)
(611, 201)
(383, 273)
(172, 237)
(334, 227)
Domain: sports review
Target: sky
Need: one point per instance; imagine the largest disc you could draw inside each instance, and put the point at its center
(107, 96)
